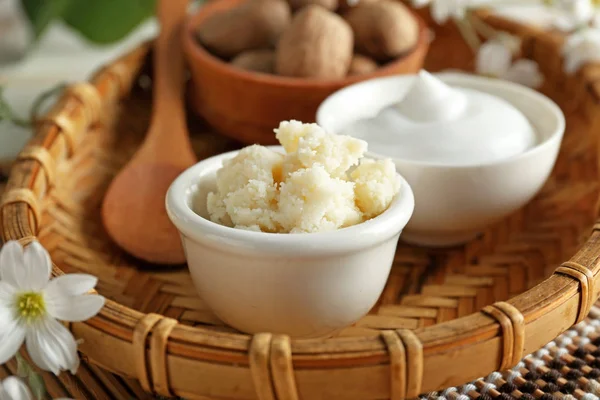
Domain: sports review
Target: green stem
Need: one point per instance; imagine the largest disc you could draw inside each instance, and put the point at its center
(23, 369)
(43, 97)
(8, 114)
(34, 379)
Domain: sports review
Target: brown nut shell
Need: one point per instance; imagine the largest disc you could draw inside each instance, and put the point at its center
(362, 65)
(256, 60)
(345, 5)
(331, 5)
(317, 44)
(256, 24)
(383, 30)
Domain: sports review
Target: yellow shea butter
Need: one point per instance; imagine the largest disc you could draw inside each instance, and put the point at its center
(376, 184)
(311, 200)
(322, 183)
(309, 144)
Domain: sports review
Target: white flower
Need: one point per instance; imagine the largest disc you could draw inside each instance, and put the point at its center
(442, 10)
(495, 59)
(31, 303)
(13, 388)
(574, 14)
(580, 48)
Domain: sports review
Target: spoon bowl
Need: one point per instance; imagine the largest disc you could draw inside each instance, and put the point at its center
(157, 240)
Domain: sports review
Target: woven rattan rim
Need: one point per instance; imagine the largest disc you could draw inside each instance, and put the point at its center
(402, 363)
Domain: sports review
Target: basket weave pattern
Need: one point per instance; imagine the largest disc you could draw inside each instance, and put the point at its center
(445, 317)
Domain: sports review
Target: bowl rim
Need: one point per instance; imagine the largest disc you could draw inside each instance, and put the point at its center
(545, 103)
(371, 232)
(195, 52)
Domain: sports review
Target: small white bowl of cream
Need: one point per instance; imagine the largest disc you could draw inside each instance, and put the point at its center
(309, 260)
(473, 149)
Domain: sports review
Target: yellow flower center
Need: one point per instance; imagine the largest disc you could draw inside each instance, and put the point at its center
(30, 305)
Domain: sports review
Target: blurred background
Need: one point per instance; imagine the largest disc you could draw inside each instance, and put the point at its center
(46, 42)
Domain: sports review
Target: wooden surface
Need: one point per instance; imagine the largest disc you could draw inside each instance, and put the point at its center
(436, 294)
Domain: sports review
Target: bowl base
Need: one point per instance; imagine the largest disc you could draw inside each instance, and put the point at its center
(430, 239)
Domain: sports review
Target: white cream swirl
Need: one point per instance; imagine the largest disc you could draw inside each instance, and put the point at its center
(436, 123)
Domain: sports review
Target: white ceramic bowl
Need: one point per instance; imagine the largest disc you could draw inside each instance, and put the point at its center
(303, 285)
(456, 203)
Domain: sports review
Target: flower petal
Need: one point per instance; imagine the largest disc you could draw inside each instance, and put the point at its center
(596, 20)
(459, 8)
(7, 294)
(525, 72)
(12, 335)
(585, 53)
(579, 12)
(16, 389)
(420, 3)
(37, 265)
(564, 23)
(440, 11)
(75, 308)
(12, 264)
(52, 347)
(572, 63)
(493, 59)
(70, 285)
(581, 48)
(7, 313)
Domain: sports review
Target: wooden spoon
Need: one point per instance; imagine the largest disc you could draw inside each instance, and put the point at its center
(134, 211)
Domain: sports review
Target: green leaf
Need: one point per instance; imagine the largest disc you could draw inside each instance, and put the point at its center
(106, 21)
(4, 108)
(37, 386)
(7, 113)
(41, 12)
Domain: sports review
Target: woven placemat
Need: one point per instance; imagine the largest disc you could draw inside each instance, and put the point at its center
(567, 368)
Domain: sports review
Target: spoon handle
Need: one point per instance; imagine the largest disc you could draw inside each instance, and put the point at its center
(167, 134)
(168, 61)
(167, 137)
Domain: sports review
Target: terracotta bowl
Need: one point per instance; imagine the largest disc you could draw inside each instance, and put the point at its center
(247, 105)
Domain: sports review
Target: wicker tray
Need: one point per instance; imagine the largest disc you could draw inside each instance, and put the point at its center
(445, 317)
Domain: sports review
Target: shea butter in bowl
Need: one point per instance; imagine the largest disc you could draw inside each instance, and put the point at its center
(317, 276)
(473, 149)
